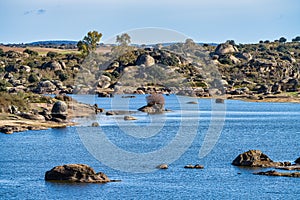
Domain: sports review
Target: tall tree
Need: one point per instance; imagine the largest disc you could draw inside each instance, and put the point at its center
(123, 40)
(282, 40)
(296, 39)
(89, 42)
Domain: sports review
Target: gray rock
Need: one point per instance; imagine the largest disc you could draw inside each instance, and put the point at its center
(152, 109)
(146, 60)
(95, 124)
(126, 118)
(32, 116)
(25, 68)
(76, 173)
(225, 48)
(104, 81)
(59, 110)
(45, 87)
(163, 166)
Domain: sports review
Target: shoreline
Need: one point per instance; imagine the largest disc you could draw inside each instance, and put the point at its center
(11, 123)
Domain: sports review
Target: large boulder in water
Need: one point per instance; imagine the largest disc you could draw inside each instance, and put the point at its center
(251, 158)
(76, 173)
(151, 109)
(59, 110)
(255, 158)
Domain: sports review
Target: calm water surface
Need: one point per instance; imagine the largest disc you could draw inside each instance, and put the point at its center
(273, 128)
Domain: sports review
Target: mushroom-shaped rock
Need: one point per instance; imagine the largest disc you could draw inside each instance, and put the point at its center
(76, 173)
(146, 60)
(252, 158)
(59, 110)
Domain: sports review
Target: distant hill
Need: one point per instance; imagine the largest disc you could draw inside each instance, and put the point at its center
(53, 42)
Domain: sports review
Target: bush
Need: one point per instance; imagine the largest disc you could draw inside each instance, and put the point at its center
(33, 78)
(1, 52)
(31, 52)
(3, 85)
(52, 54)
(155, 99)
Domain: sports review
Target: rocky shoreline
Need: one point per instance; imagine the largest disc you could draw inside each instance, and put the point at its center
(44, 116)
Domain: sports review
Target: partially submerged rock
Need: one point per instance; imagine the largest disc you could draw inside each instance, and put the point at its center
(163, 166)
(197, 166)
(129, 118)
(276, 173)
(255, 158)
(152, 109)
(76, 173)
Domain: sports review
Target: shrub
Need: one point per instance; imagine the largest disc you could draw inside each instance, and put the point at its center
(31, 52)
(33, 78)
(155, 99)
(3, 85)
(2, 52)
(52, 54)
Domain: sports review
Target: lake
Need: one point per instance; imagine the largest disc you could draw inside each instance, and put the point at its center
(205, 133)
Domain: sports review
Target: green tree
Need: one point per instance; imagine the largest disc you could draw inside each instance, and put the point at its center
(123, 40)
(296, 39)
(89, 42)
(282, 40)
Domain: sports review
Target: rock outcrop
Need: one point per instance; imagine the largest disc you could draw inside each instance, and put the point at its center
(76, 173)
(146, 60)
(225, 48)
(255, 158)
(276, 173)
(297, 161)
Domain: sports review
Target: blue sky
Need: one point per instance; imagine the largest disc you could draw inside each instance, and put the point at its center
(245, 21)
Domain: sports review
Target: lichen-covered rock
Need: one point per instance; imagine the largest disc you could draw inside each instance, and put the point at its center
(76, 173)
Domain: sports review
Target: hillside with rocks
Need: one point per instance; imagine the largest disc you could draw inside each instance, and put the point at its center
(253, 71)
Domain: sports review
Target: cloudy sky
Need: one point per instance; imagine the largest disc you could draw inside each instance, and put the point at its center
(202, 20)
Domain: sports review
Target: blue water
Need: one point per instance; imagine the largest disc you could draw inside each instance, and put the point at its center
(270, 127)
